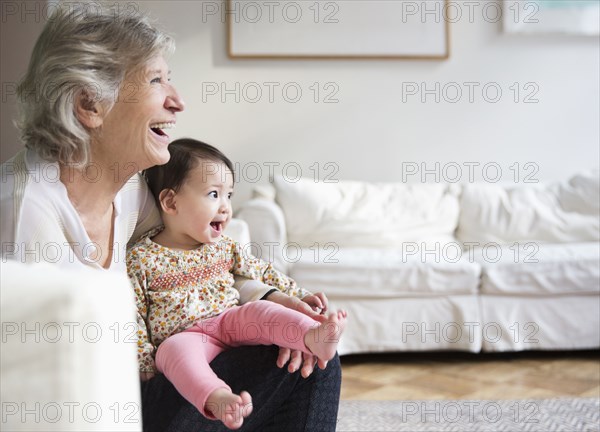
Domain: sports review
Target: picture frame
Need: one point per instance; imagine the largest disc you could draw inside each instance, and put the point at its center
(342, 29)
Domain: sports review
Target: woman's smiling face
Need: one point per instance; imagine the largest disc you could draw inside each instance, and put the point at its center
(134, 131)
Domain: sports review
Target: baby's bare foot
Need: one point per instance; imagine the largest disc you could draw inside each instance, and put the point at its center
(323, 340)
(228, 407)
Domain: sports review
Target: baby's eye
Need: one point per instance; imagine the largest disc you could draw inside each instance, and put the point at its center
(229, 195)
(213, 194)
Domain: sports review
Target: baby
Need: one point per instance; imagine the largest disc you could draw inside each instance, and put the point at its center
(189, 307)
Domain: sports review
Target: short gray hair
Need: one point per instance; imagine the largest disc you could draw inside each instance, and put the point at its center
(81, 51)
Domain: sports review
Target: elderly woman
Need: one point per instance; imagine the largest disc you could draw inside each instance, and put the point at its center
(97, 104)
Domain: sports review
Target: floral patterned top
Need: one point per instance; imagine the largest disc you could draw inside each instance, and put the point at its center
(174, 288)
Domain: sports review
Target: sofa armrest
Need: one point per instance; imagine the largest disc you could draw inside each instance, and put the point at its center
(238, 230)
(69, 358)
(267, 230)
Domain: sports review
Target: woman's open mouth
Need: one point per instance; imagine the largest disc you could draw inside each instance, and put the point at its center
(158, 130)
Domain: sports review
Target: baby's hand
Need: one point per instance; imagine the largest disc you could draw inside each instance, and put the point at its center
(296, 304)
(318, 302)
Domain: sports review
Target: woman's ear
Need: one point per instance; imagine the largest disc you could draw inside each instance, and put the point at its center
(167, 201)
(88, 110)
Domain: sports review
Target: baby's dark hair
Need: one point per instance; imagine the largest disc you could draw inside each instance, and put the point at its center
(185, 156)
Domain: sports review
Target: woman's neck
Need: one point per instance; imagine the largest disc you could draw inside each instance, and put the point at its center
(92, 191)
(93, 188)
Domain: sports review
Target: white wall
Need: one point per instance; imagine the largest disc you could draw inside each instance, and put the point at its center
(18, 32)
(370, 131)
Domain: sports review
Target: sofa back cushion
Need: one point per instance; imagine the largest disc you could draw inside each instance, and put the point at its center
(361, 214)
(562, 212)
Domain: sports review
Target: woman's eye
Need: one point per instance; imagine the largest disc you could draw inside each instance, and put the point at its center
(213, 194)
(156, 80)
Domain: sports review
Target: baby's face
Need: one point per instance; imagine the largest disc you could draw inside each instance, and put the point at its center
(204, 202)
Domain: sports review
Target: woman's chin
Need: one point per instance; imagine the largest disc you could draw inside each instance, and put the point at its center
(159, 158)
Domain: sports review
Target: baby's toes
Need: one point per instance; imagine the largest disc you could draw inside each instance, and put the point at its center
(246, 403)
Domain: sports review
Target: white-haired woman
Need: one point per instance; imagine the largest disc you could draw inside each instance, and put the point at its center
(96, 106)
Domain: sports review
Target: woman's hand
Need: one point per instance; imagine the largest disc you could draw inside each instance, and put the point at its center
(297, 359)
(145, 376)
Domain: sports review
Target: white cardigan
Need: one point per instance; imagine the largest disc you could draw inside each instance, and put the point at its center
(39, 223)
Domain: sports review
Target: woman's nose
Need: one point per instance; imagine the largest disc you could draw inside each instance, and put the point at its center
(174, 102)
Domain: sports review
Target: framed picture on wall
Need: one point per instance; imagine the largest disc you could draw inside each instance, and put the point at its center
(577, 17)
(341, 29)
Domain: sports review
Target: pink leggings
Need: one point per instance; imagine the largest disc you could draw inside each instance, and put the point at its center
(184, 357)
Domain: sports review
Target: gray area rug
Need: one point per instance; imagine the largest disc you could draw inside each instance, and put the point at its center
(534, 415)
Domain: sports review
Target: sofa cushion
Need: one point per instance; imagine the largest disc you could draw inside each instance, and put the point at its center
(361, 214)
(410, 324)
(561, 212)
(535, 323)
(540, 269)
(355, 272)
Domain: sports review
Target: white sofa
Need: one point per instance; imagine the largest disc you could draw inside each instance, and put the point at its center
(68, 354)
(473, 267)
(68, 359)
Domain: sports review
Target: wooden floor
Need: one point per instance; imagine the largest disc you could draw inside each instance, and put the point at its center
(414, 376)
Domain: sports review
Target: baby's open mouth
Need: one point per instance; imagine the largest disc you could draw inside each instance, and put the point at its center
(217, 226)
